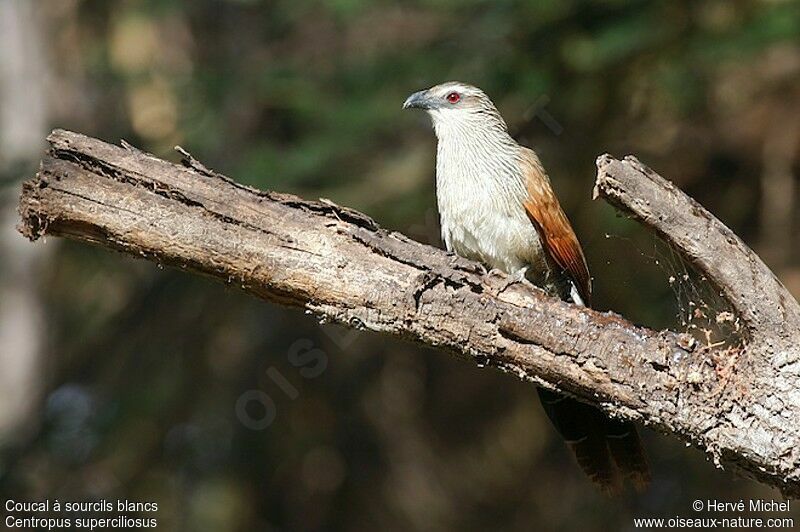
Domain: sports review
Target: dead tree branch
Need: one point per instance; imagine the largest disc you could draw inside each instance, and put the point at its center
(339, 264)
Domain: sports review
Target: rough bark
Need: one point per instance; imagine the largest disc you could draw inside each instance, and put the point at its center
(738, 402)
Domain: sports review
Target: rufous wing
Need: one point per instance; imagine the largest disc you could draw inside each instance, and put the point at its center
(558, 237)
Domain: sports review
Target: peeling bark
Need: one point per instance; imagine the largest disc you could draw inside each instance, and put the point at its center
(739, 403)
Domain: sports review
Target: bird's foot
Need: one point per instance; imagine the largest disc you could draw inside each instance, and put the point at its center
(517, 277)
(475, 267)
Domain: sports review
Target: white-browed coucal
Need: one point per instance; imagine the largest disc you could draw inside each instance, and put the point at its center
(496, 206)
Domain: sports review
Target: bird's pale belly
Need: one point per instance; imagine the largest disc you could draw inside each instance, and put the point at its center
(499, 241)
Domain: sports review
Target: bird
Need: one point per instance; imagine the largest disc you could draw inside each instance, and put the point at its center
(497, 206)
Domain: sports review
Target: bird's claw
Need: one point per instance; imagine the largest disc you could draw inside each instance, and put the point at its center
(507, 280)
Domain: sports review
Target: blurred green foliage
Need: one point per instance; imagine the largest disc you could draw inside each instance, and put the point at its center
(146, 366)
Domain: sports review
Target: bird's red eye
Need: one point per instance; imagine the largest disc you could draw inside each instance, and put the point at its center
(453, 97)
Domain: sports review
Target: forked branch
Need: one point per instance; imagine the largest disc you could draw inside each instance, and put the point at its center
(339, 264)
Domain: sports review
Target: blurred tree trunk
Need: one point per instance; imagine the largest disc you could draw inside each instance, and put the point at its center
(23, 121)
(778, 191)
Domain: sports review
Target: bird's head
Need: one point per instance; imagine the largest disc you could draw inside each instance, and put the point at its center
(456, 103)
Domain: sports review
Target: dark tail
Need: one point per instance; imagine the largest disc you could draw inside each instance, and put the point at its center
(628, 452)
(607, 450)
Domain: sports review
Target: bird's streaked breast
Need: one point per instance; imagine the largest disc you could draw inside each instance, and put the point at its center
(480, 194)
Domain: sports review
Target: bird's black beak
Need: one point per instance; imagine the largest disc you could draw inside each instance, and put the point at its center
(419, 100)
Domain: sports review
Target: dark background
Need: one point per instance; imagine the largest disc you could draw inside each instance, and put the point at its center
(121, 380)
